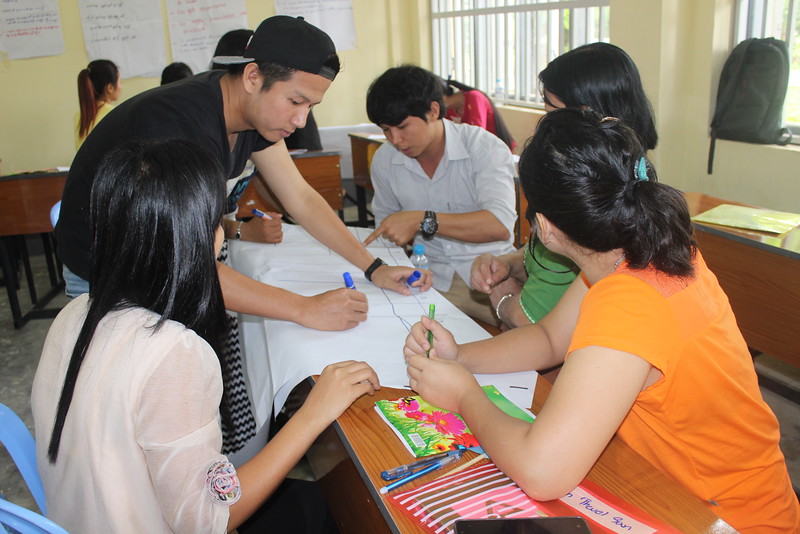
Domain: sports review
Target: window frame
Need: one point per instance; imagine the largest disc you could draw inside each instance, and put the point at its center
(507, 69)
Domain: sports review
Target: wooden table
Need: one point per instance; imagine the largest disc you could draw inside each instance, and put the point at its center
(320, 168)
(362, 146)
(759, 272)
(25, 203)
(349, 457)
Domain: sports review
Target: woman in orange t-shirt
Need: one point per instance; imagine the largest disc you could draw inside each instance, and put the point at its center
(652, 349)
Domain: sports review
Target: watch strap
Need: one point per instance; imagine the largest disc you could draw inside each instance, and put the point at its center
(372, 268)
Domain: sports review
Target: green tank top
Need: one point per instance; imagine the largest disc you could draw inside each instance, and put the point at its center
(544, 288)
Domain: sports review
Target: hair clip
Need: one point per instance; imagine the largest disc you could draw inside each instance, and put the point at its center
(641, 169)
(606, 119)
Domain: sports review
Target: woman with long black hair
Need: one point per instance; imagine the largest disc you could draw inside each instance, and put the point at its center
(127, 396)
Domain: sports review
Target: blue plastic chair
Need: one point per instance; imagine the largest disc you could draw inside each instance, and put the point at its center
(20, 445)
(55, 211)
(25, 521)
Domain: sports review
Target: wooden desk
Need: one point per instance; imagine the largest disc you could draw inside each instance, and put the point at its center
(362, 146)
(759, 273)
(320, 168)
(25, 202)
(365, 446)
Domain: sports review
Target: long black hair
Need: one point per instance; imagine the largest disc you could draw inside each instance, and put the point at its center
(449, 86)
(588, 175)
(154, 211)
(603, 77)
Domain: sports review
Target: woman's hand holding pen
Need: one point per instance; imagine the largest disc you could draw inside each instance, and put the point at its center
(338, 386)
(443, 383)
(444, 345)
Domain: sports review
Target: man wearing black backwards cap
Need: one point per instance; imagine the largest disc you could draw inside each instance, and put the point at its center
(244, 112)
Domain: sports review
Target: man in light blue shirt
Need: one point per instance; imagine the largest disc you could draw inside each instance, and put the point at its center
(449, 186)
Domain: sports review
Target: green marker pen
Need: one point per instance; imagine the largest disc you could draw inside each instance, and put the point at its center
(431, 313)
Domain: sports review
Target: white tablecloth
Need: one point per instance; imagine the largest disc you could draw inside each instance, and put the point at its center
(280, 354)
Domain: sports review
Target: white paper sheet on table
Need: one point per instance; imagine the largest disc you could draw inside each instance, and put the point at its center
(303, 265)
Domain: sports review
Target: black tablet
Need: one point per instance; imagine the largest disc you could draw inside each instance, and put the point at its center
(528, 525)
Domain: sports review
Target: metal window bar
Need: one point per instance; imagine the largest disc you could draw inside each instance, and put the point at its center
(488, 43)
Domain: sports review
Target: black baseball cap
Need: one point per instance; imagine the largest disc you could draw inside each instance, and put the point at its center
(288, 41)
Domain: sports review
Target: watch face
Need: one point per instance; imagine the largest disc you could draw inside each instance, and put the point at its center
(429, 226)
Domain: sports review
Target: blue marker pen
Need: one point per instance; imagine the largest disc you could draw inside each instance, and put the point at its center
(422, 472)
(259, 213)
(416, 275)
(348, 281)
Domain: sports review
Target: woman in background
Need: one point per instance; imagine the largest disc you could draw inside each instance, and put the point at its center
(174, 72)
(98, 86)
(471, 106)
(128, 393)
(524, 286)
(649, 343)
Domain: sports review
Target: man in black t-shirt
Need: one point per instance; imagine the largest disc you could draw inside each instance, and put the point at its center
(243, 113)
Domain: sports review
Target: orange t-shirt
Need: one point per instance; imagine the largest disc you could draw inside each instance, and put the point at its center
(704, 422)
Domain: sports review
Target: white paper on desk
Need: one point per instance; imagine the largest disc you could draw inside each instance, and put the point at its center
(303, 265)
(517, 387)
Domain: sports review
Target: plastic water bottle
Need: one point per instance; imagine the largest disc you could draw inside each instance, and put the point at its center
(499, 91)
(418, 258)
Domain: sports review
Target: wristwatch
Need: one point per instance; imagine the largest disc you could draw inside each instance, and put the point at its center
(372, 268)
(429, 225)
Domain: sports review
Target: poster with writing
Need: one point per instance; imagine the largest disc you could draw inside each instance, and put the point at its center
(30, 28)
(195, 26)
(333, 16)
(128, 32)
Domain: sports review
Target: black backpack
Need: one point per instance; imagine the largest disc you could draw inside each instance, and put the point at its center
(752, 88)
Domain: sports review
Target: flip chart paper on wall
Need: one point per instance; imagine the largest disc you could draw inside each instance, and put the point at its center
(130, 33)
(195, 27)
(335, 17)
(30, 28)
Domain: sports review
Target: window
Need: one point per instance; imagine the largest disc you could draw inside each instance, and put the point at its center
(775, 18)
(499, 46)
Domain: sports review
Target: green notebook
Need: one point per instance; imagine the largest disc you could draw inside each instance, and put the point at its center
(776, 222)
(426, 429)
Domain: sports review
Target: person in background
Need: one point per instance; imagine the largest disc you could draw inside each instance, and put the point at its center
(447, 185)
(132, 442)
(524, 286)
(174, 72)
(649, 343)
(98, 86)
(468, 105)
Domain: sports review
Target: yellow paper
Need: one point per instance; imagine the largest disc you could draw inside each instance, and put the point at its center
(776, 222)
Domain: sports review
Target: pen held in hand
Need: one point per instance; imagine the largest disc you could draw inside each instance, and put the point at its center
(261, 214)
(431, 313)
(348, 281)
